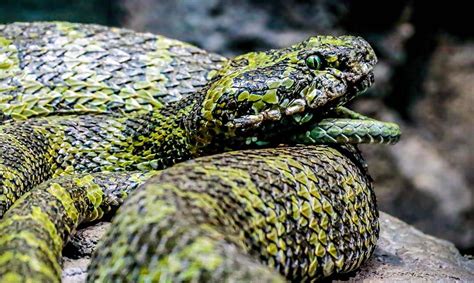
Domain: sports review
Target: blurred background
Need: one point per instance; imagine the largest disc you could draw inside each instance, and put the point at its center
(424, 80)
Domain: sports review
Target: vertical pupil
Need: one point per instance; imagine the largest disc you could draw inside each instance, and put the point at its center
(314, 62)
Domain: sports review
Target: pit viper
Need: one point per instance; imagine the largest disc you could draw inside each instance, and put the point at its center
(89, 113)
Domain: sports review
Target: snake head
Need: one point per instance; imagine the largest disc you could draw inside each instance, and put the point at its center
(270, 87)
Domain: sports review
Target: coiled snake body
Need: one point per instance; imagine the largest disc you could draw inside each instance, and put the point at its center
(89, 112)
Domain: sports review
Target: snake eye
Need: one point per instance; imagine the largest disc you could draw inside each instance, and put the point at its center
(314, 62)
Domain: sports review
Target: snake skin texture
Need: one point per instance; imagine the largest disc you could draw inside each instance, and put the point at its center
(307, 212)
(84, 78)
(61, 68)
(88, 111)
(35, 230)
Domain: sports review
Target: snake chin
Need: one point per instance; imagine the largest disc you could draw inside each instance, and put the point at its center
(316, 99)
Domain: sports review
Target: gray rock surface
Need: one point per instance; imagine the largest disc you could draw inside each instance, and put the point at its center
(403, 253)
(75, 270)
(84, 241)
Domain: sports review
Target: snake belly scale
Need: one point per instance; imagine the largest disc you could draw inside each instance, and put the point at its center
(88, 113)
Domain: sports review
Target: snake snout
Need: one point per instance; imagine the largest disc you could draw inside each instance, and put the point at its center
(363, 56)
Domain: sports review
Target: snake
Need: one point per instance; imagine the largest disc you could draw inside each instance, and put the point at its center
(224, 169)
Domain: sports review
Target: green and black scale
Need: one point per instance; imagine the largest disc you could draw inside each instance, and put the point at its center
(88, 113)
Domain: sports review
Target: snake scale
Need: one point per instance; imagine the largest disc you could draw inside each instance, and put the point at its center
(90, 115)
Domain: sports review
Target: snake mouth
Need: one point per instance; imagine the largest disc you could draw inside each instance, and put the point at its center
(338, 124)
(304, 110)
(301, 122)
(311, 104)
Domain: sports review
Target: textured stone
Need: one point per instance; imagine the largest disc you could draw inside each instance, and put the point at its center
(403, 253)
(76, 255)
(83, 243)
(75, 270)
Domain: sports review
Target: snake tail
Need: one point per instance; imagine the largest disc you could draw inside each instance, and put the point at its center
(349, 131)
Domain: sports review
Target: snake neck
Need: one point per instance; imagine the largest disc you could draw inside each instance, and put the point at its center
(175, 133)
(205, 135)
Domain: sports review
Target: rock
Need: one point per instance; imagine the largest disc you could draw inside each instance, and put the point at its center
(436, 197)
(84, 241)
(403, 253)
(75, 270)
(77, 253)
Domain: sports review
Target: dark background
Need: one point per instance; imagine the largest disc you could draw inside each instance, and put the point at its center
(424, 80)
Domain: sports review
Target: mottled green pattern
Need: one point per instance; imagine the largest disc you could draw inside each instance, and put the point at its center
(51, 68)
(34, 231)
(42, 148)
(86, 99)
(348, 126)
(306, 211)
(148, 102)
